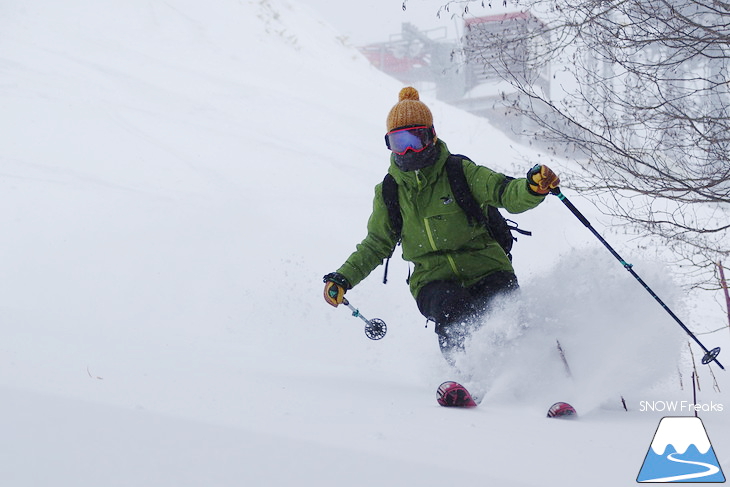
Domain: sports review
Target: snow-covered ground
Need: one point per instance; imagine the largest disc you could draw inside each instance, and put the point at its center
(176, 177)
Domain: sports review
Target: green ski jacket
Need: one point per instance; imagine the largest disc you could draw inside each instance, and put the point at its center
(436, 236)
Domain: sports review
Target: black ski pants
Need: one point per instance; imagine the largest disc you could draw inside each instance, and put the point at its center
(454, 308)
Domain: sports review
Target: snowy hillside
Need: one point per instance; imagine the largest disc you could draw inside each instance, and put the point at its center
(177, 176)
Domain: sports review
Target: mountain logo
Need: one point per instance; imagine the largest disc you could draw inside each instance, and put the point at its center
(681, 452)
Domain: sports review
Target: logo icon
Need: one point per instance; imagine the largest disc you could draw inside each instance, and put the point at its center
(681, 452)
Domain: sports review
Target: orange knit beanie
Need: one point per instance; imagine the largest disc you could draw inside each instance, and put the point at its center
(409, 111)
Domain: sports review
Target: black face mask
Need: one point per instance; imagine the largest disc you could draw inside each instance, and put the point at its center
(410, 161)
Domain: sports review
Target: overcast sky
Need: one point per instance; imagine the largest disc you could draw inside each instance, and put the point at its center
(368, 21)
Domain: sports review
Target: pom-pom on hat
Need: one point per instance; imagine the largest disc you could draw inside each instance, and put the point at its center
(409, 110)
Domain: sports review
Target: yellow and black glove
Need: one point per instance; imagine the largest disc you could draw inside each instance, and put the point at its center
(335, 287)
(541, 179)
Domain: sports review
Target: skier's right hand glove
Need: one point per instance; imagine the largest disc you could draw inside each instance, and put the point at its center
(335, 287)
(541, 179)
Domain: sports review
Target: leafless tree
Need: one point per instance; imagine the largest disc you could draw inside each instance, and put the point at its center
(640, 100)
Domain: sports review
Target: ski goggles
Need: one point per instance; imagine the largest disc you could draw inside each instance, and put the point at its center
(415, 138)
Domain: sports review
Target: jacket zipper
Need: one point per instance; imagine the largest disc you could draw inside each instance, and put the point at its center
(431, 240)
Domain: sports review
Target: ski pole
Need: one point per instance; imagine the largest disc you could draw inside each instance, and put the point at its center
(710, 355)
(374, 329)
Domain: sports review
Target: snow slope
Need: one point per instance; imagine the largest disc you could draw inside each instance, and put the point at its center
(176, 178)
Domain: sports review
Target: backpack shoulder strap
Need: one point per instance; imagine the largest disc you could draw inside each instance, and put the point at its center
(390, 198)
(462, 193)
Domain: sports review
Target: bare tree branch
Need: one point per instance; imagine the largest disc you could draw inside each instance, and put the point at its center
(644, 108)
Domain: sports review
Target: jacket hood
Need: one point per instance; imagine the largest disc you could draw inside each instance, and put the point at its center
(420, 177)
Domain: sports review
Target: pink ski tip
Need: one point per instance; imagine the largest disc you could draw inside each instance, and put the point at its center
(453, 394)
(562, 410)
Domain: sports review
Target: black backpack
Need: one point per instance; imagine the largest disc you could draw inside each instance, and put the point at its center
(498, 227)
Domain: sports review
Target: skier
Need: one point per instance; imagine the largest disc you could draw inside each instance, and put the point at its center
(458, 267)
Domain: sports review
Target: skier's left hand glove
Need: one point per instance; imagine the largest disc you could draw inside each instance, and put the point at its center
(541, 179)
(335, 287)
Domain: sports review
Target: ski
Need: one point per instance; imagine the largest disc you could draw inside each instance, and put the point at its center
(562, 410)
(451, 394)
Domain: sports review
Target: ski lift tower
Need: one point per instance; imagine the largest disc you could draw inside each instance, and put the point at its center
(416, 57)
